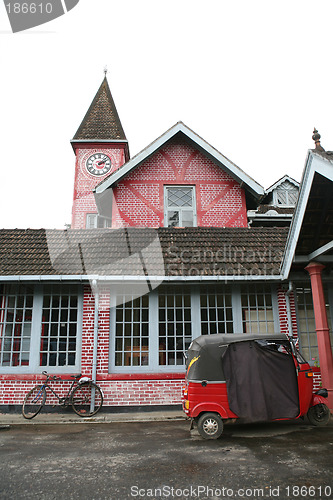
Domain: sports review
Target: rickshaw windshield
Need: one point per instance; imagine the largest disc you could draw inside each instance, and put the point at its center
(281, 347)
(297, 354)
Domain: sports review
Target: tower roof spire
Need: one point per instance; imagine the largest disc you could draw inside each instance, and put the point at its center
(101, 121)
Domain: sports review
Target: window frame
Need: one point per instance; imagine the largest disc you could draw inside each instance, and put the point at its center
(34, 366)
(168, 207)
(287, 191)
(96, 221)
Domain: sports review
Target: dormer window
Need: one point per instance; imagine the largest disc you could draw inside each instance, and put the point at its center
(179, 206)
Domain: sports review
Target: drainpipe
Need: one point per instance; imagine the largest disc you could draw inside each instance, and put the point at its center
(290, 323)
(94, 289)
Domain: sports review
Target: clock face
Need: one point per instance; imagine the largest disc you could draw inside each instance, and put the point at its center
(98, 164)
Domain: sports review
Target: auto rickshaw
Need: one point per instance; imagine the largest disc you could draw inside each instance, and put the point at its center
(252, 377)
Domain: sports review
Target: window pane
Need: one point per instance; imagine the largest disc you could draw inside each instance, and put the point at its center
(180, 196)
(173, 219)
(187, 218)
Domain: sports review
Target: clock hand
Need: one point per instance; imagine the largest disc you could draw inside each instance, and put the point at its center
(102, 161)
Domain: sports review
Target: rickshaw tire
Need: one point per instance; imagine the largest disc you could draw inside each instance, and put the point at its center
(319, 415)
(210, 425)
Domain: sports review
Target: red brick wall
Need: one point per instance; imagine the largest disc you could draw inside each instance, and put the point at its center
(84, 182)
(143, 392)
(139, 198)
(88, 332)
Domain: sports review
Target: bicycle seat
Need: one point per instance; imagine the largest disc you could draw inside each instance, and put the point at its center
(79, 375)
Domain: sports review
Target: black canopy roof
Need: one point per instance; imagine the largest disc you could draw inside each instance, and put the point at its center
(231, 338)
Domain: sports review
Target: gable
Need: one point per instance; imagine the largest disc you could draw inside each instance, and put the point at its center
(311, 232)
(139, 198)
(180, 129)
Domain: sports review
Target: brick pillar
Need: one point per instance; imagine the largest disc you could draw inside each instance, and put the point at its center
(323, 335)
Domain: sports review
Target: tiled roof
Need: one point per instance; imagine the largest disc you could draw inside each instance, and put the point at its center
(101, 121)
(143, 251)
(263, 209)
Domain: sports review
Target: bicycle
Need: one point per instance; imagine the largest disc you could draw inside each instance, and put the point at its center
(84, 395)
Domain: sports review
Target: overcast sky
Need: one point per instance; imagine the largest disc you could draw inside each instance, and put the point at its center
(253, 78)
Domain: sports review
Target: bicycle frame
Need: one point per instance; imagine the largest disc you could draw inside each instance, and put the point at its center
(65, 400)
(80, 395)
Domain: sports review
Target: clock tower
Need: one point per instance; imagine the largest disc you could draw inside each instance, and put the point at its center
(100, 147)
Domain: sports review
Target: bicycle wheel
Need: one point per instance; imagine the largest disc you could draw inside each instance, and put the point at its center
(82, 399)
(34, 402)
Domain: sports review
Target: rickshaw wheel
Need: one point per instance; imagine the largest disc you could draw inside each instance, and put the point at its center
(210, 425)
(319, 414)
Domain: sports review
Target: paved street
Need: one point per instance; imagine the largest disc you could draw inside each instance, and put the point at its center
(131, 460)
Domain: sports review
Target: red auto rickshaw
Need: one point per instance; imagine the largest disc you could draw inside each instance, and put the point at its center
(252, 377)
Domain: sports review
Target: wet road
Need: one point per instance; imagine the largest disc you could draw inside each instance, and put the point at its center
(164, 460)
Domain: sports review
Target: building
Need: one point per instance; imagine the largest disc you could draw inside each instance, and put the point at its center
(164, 247)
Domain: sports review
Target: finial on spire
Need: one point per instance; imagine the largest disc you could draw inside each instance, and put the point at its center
(316, 137)
(105, 70)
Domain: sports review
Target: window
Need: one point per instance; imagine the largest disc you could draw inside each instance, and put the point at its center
(179, 202)
(175, 332)
(39, 327)
(257, 309)
(216, 311)
(94, 221)
(306, 322)
(151, 333)
(285, 195)
(15, 325)
(59, 326)
(132, 331)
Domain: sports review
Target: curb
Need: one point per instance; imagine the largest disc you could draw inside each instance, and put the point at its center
(51, 419)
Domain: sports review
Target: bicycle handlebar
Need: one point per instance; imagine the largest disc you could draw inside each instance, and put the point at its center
(49, 377)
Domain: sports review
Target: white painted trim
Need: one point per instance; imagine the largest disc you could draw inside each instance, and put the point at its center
(234, 171)
(297, 221)
(180, 208)
(281, 181)
(269, 216)
(320, 251)
(314, 164)
(135, 278)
